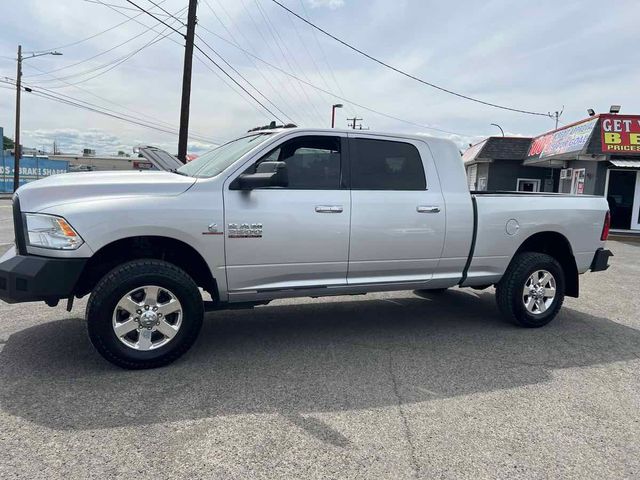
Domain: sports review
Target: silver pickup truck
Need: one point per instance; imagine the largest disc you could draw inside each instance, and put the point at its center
(282, 213)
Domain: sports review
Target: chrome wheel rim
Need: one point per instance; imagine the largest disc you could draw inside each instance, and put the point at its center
(539, 292)
(147, 317)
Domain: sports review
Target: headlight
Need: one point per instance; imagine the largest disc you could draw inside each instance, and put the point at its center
(48, 231)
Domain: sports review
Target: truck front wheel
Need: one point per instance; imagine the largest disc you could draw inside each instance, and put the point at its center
(531, 291)
(144, 314)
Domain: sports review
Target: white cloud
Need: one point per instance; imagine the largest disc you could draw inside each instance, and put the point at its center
(71, 140)
(332, 4)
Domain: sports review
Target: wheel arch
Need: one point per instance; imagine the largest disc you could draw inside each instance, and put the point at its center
(557, 246)
(158, 247)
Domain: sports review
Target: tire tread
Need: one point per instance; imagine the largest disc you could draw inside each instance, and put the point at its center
(130, 269)
(510, 286)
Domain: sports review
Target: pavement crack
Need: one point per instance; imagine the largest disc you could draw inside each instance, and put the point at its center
(405, 422)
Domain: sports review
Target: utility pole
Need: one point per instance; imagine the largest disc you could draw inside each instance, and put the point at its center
(353, 122)
(186, 81)
(16, 140)
(557, 115)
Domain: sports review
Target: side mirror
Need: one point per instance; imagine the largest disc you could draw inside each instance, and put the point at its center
(268, 174)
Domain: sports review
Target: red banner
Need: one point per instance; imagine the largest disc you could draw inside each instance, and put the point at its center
(620, 133)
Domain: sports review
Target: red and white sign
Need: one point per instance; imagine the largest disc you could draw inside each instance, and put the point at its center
(620, 133)
(569, 139)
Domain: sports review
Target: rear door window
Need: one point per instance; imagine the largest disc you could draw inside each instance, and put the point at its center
(385, 165)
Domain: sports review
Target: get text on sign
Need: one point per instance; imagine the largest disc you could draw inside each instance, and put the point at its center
(620, 133)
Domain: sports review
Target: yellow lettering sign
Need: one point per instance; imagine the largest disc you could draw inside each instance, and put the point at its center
(612, 138)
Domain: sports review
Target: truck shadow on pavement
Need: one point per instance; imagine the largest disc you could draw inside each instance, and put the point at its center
(299, 359)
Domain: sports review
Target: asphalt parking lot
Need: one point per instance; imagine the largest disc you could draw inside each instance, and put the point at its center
(379, 386)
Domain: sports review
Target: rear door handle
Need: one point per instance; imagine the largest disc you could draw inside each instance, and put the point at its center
(427, 209)
(329, 209)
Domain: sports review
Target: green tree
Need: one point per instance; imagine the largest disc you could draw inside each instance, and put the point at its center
(7, 143)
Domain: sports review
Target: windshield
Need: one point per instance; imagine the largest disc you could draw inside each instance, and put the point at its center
(212, 163)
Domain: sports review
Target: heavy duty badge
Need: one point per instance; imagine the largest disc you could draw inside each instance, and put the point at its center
(245, 230)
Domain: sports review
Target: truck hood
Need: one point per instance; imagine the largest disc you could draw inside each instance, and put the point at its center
(86, 186)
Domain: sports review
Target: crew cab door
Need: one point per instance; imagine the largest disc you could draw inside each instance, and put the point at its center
(294, 237)
(397, 211)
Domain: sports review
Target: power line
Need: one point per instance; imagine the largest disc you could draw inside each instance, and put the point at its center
(205, 64)
(344, 99)
(324, 55)
(150, 118)
(211, 60)
(244, 78)
(295, 88)
(169, 14)
(283, 48)
(99, 54)
(72, 44)
(68, 100)
(107, 67)
(251, 60)
(309, 54)
(118, 61)
(408, 75)
(236, 82)
(121, 7)
(156, 18)
(288, 86)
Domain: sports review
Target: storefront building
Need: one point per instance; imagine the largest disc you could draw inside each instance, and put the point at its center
(599, 155)
(497, 164)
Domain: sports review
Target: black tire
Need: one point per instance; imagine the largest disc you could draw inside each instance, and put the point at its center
(509, 292)
(126, 277)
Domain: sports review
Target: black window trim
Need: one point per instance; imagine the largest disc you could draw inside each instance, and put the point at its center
(351, 145)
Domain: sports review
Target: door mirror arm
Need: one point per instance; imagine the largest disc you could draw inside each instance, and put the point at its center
(268, 174)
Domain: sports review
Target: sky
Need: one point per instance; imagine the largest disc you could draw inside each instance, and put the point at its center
(539, 56)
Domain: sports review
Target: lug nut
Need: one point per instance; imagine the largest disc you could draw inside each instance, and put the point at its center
(136, 319)
(146, 307)
(138, 312)
(155, 308)
(159, 314)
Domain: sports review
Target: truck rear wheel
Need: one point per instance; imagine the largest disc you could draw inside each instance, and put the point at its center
(144, 314)
(531, 291)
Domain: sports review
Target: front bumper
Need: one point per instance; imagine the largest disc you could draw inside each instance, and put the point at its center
(28, 278)
(601, 260)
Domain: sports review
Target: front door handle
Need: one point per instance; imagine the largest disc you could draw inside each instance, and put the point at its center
(329, 209)
(427, 209)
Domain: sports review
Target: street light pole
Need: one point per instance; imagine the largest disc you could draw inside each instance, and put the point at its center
(496, 125)
(333, 114)
(16, 141)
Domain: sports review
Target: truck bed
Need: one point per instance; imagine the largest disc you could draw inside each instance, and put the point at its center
(504, 220)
